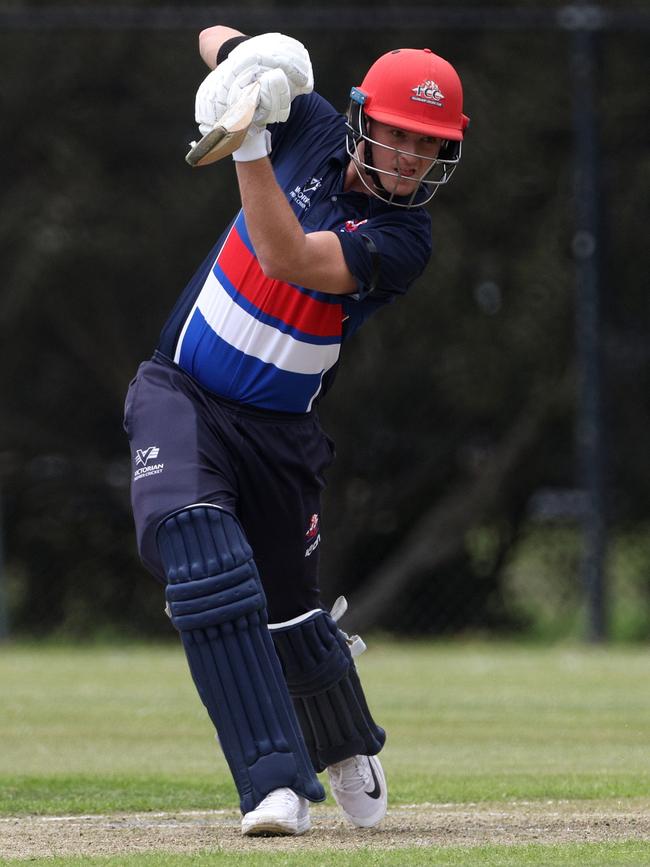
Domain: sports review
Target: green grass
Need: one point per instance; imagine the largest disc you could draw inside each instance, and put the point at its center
(91, 729)
(101, 729)
(582, 854)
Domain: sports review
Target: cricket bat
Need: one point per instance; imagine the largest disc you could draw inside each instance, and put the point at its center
(229, 131)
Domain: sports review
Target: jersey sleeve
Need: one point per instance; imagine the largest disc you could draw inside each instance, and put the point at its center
(387, 253)
(311, 120)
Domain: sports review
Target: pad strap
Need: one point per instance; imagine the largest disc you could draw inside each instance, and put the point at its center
(215, 600)
(327, 694)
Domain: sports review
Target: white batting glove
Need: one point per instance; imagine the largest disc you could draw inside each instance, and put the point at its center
(211, 99)
(218, 91)
(275, 51)
(274, 106)
(275, 95)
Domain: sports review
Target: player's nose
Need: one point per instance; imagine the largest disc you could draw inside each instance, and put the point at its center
(408, 159)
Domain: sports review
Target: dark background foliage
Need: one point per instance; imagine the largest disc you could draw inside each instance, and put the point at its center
(452, 410)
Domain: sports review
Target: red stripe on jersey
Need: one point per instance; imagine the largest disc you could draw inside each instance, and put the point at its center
(274, 297)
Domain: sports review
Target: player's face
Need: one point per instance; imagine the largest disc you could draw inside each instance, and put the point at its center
(407, 155)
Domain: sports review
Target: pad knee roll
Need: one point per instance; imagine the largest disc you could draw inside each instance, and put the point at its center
(327, 694)
(215, 600)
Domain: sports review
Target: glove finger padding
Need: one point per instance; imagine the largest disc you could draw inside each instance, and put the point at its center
(219, 91)
(274, 107)
(250, 61)
(211, 99)
(276, 51)
(275, 98)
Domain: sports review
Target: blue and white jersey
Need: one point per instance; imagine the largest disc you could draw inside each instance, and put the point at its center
(272, 344)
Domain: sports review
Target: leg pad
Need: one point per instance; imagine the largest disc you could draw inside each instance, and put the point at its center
(216, 601)
(327, 694)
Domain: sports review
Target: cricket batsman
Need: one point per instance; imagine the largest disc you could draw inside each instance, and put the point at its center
(229, 458)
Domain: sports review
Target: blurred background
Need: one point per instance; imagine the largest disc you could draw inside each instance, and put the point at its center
(492, 475)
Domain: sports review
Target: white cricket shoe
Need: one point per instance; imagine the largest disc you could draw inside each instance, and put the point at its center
(282, 812)
(359, 788)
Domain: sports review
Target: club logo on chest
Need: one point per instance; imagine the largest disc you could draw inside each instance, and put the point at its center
(302, 194)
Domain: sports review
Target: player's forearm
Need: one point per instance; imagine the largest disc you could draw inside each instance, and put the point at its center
(276, 234)
(283, 250)
(211, 40)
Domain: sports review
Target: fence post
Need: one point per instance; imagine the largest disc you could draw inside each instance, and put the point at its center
(584, 21)
(4, 613)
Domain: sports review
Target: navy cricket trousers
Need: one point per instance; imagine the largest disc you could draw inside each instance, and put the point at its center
(267, 468)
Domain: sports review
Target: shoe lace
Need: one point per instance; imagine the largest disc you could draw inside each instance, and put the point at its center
(351, 775)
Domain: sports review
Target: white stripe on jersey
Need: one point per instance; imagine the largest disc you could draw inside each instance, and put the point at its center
(186, 324)
(255, 338)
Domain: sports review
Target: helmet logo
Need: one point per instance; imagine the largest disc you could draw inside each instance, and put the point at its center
(428, 92)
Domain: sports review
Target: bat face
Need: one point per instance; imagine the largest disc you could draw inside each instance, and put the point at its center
(228, 133)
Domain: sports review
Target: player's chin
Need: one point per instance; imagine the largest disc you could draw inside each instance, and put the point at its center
(402, 187)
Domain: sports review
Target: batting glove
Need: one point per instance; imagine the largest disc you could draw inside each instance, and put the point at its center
(211, 99)
(218, 91)
(274, 105)
(275, 51)
(275, 95)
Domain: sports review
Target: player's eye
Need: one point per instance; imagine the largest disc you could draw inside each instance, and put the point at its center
(429, 145)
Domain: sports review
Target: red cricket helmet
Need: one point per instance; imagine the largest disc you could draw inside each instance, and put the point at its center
(416, 90)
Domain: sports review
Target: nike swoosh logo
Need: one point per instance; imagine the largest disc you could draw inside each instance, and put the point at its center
(376, 792)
